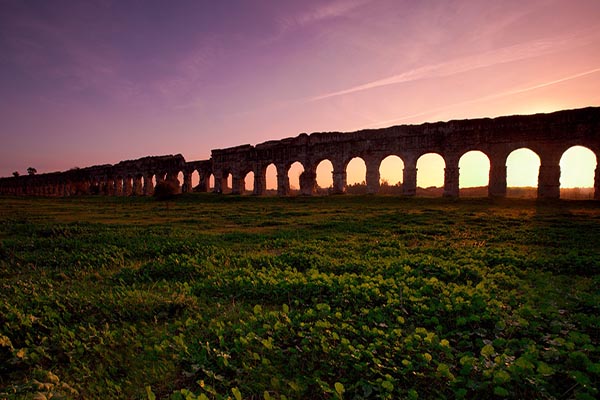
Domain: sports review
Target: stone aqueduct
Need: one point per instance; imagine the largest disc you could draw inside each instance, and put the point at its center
(548, 135)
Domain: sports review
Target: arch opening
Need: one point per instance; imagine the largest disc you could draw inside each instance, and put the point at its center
(271, 179)
(577, 171)
(248, 183)
(180, 181)
(430, 175)
(227, 182)
(356, 176)
(522, 169)
(474, 174)
(324, 177)
(195, 180)
(211, 183)
(294, 172)
(391, 175)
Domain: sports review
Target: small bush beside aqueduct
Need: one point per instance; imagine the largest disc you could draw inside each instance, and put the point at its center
(166, 190)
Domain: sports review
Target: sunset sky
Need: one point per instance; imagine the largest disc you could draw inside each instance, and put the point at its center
(96, 82)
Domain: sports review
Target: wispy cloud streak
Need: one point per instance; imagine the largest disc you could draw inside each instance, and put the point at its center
(326, 11)
(507, 93)
(494, 57)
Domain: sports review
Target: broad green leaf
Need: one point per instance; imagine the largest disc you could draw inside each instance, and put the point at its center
(236, 393)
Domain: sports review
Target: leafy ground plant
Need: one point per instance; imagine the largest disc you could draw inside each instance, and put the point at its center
(351, 297)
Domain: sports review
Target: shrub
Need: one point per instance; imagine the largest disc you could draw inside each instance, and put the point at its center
(166, 190)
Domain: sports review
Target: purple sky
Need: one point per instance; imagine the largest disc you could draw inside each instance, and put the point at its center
(94, 82)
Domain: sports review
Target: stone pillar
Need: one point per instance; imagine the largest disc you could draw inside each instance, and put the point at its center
(203, 185)
(237, 184)
(597, 183)
(187, 182)
(224, 186)
(148, 185)
(409, 177)
(137, 185)
(497, 180)
(308, 182)
(172, 178)
(127, 186)
(102, 186)
(339, 181)
(218, 176)
(373, 176)
(549, 182)
(451, 177)
(260, 181)
(118, 186)
(110, 186)
(283, 181)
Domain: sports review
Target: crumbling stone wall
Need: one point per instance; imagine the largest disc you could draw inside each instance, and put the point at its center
(127, 178)
(548, 135)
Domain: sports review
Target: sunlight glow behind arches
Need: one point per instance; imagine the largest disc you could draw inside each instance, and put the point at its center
(577, 168)
(294, 175)
(249, 182)
(356, 171)
(271, 177)
(325, 174)
(391, 170)
(430, 170)
(522, 168)
(474, 169)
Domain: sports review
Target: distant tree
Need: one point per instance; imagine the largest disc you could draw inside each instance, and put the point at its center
(31, 171)
(16, 173)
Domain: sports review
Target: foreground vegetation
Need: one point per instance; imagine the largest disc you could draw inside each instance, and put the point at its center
(337, 297)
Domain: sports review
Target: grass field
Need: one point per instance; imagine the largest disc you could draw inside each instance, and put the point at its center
(328, 297)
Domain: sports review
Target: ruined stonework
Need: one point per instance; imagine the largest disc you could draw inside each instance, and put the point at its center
(548, 135)
(127, 178)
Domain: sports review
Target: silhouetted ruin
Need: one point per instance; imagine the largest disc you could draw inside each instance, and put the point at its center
(548, 135)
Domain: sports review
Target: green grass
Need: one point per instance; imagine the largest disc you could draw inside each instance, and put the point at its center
(346, 296)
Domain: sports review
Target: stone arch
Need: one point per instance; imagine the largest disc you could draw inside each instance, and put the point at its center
(324, 176)
(391, 170)
(522, 172)
(356, 176)
(578, 166)
(430, 173)
(474, 174)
